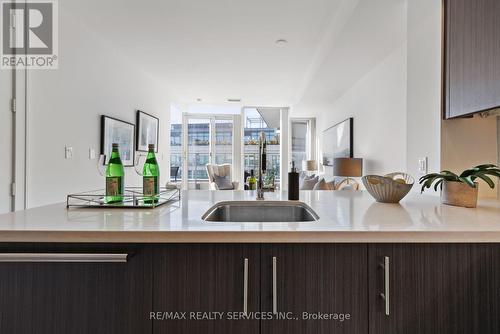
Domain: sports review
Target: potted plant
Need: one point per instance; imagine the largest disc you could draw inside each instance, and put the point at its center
(461, 190)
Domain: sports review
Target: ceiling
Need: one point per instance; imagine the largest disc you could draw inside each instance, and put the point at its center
(216, 49)
(370, 32)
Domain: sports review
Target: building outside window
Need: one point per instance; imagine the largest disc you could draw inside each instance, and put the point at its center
(175, 144)
(199, 145)
(254, 125)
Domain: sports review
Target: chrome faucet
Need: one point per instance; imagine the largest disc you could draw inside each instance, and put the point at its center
(260, 182)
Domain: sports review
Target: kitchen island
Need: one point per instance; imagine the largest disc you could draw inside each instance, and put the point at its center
(362, 267)
(344, 216)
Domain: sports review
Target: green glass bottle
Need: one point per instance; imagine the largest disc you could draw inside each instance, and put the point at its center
(115, 177)
(252, 181)
(151, 177)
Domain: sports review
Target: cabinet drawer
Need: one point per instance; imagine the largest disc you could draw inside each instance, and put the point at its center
(74, 289)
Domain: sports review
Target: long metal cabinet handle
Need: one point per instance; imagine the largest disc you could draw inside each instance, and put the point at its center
(245, 286)
(62, 257)
(386, 294)
(275, 286)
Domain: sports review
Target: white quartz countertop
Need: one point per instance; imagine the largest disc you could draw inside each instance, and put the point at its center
(345, 216)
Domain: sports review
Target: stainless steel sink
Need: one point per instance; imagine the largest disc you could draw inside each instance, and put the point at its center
(260, 212)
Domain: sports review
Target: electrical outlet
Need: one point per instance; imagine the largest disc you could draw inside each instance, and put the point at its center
(422, 165)
(91, 154)
(68, 152)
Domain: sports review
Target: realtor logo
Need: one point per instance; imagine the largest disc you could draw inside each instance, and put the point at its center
(29, 35)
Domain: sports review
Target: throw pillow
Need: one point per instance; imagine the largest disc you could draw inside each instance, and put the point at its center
(308, 184)
(322, 185)
(223, 182)
(331, 185)
(303, 177)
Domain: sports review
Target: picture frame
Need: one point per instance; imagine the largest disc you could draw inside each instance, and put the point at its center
(115, 130)
(338, 141)
(148, 131)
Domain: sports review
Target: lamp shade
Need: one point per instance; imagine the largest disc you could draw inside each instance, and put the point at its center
(348, 167)
(309, 165)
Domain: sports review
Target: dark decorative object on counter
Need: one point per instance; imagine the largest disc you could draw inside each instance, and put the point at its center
(461, 190)
(293, 184)
(148, 129)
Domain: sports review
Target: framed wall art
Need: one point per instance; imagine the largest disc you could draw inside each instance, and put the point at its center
(148, 128)
(123, 133)
(338, 141)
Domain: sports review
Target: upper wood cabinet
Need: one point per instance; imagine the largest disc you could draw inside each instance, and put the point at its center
(471, 66)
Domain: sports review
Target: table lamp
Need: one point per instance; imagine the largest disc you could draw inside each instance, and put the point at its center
(348, 167)
(309, 165)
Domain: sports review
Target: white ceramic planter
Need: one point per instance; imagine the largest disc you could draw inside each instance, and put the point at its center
(459, 194)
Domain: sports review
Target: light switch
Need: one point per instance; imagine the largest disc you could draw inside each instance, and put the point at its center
(91, 154)
(68, 152)
(422, 165)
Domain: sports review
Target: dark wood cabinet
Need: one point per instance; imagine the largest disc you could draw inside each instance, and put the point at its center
(471, 66)
(435, 288)
(428, 288)
(327, 280)
(206, 278)
(483, 305)
(315, 279)
(62, 298)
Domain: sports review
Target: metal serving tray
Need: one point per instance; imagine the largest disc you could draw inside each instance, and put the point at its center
(132, 199)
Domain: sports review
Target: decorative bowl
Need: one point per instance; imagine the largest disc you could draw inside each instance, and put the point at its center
(390, 188)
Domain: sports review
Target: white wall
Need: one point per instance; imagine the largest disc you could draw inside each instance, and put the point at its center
(470, 142)
(65, 106)
(5, 140)
(396, 104)
(377, 102)
(424, 84)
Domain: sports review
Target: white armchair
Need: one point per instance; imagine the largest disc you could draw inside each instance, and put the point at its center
(219, 170)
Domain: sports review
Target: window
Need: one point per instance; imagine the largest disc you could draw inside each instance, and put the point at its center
(210, 140)
(199, 134)
(175, 144)
(254, 125)
(302, 145)
(223, 141)
(175, 134)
